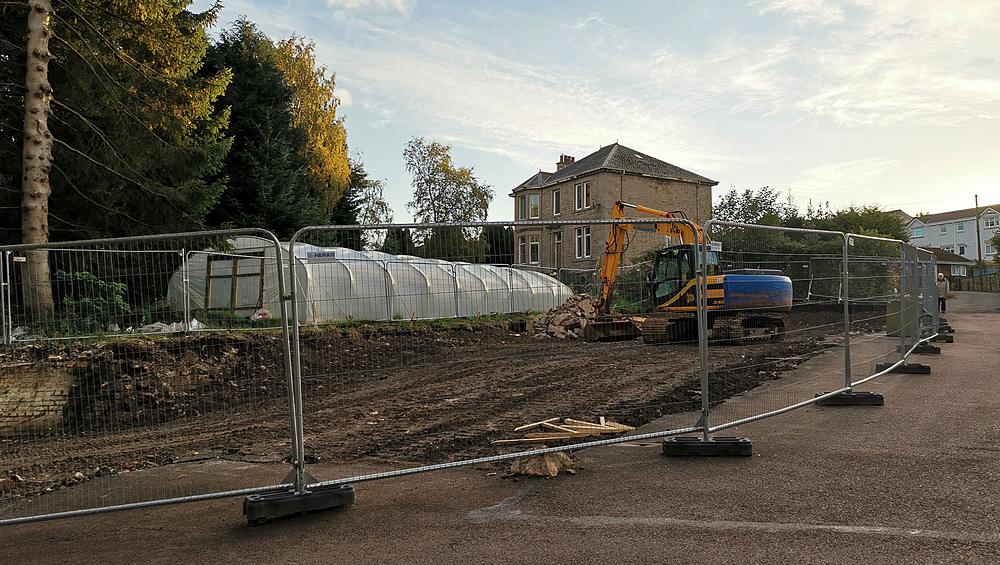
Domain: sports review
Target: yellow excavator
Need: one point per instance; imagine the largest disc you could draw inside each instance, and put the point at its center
(741, 303)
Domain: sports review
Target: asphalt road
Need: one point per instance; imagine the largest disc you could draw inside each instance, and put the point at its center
(914, 481)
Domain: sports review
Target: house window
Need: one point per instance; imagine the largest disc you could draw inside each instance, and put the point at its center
(522, 207)
(534, 205)
(990, 250)
(944, 229)
(556, 202)
(582, 197)
(958, 270)
(522, 249)
(961, 249)
(948, 248)
(992, 221)
(533, 250)
(917, 232)
(557, 249)
(960, 227)
(583, 242)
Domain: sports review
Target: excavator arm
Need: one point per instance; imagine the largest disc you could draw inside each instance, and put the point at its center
(618, 239)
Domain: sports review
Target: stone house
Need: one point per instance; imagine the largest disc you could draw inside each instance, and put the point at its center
(586, 189)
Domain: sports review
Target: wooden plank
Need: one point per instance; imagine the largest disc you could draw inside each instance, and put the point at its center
(532, 439)
(552, 426)
(581, 423)
(535, 424)
(554, 434)
(591, 428)
(602, 421)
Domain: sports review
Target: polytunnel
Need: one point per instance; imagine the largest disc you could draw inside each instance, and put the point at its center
(343, 284)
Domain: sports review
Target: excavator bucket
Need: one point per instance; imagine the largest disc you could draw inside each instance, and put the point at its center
(611, 328)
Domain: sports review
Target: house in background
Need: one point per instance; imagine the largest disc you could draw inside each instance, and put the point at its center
(955, 231)
(952, 265)
(586, 189)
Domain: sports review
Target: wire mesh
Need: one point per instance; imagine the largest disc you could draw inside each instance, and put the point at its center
(107, 396)
(880, 307)
(486, 330)
(775, 303)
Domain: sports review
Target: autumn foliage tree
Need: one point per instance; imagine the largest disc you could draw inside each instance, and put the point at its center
(444, 192)
(314, 110)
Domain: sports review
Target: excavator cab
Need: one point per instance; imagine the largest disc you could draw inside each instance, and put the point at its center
(673, 269)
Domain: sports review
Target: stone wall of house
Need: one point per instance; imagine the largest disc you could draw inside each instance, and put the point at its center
(605, 189)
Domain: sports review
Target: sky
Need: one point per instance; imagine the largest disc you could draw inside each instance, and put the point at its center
(892, 103)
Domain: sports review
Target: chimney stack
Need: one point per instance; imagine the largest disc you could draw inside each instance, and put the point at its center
(565, 161)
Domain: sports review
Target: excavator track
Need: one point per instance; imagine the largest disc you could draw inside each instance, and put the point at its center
(658, 330)
(746, 330)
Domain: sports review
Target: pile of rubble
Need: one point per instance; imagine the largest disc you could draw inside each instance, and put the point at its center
(566, 321)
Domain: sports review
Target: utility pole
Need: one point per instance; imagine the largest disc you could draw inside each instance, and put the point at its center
(979, 237)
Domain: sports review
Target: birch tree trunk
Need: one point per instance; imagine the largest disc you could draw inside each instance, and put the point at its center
(36, 160)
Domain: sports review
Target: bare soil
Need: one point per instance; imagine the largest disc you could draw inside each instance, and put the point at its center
(383, 393)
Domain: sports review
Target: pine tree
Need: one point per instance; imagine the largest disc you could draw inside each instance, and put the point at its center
(267, 169)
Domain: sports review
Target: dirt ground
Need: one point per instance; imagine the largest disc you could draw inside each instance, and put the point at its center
(414, 395)
(913, 481)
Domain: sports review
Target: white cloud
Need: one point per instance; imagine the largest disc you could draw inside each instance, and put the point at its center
(820, 11)
(402, 6)
(830, 181)
(344, 96)
(918, 62)
(486, 101)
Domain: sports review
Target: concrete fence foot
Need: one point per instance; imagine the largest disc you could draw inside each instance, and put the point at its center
(905, 368)
(927, 350)
(944, 338)
(269, 506)
(852, 398)
(688, 446)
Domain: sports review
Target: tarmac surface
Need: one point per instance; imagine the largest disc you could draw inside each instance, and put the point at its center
(914, 481)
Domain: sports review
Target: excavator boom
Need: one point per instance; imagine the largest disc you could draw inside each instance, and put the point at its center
(618, 240)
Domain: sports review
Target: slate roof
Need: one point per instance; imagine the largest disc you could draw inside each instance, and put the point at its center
(534, 181)
(954, 215)
(616, 157)
(949, 257)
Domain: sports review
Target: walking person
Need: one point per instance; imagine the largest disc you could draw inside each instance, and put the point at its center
(943, 290)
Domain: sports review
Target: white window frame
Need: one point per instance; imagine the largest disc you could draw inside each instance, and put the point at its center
(949, 248)
(960, 227)
(557, 259)
(944, 229)
(991, 221)
(556, 202)
(958, 270)
(581, 195)
(534, 250)
(583, 243)
(917, 232)
(962, 248)
(522, 207)
(534, 206)
(989, 249)
(522, 249)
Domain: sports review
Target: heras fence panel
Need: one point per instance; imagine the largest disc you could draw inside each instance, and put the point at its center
(775, 319)
(881, 308)
(930, 314)
(483, 353)
(110, 399)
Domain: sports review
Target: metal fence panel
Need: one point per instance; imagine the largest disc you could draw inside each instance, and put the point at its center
(779, 302)
(477, 348)
(108, 400)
